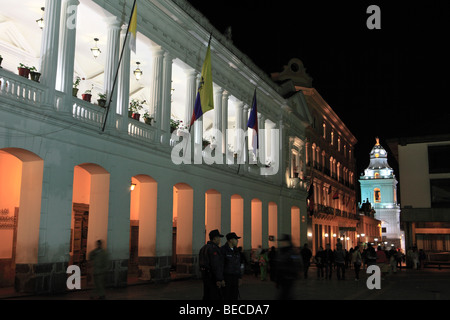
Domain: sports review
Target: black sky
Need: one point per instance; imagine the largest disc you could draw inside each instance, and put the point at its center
(389, 83)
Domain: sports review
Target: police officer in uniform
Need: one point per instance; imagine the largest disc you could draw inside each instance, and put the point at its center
(232, 267)
(211, 267)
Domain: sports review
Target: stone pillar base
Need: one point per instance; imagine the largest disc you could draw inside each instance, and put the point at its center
(154, 268)
(187, 264)
(41, 278)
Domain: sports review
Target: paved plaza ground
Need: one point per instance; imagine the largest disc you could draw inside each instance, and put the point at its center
(426, 284)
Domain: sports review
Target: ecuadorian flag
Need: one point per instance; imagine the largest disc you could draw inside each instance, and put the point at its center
(253, 124)
(132, 28)
(205, 95)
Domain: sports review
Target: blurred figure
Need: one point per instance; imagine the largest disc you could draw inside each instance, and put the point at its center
(263, 264)
(319, 263)
(99, 259)
(286, 268)
(356, 261)
(306, 258)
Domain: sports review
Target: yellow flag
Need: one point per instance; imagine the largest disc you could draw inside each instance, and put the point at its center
(132, 29)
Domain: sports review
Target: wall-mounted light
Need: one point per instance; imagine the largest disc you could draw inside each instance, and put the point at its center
(326, 235)
(138, 72)
(133, 186)
(95, 50)
(40, 21)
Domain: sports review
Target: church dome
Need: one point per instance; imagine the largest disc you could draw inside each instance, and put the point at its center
(378, 166)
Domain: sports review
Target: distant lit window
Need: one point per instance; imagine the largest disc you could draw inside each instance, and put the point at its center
(324, 131)
(377, 195)
(377, 175)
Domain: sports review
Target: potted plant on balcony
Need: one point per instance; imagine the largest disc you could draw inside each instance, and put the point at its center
(102, 100)
(24, 71)
(75, 86)
(87, 95)
(148, 119)
(35, 75)
(174, 124)
(205, 143)
(135, 107)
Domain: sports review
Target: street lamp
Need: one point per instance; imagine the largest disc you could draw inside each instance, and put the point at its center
(96, 50)
(133, 186)
(138, 72)
(40, 21)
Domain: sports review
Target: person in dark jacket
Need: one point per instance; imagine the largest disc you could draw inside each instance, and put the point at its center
(231, 268)
(211, 266)
(328, 260)
(306, 257)
(287, 267)
(319, 263)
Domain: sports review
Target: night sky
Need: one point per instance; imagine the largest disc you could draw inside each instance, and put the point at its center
(389, 83)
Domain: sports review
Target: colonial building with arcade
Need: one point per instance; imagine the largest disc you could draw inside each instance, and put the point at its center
(70, 176)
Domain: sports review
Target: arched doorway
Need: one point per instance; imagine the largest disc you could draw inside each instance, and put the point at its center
(213, 202)
(256, 223)
(143, 214)
(21, 173)
(237, 217)
(295, 226)
(183, 219)
(273, 224)
(90, 205)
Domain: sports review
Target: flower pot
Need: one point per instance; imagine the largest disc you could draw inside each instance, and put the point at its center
(102, 103)
(24, 72)
(148, 121)
(75, 92)
(130, 114)
(136, 116)
(35, 76)
(86, 97)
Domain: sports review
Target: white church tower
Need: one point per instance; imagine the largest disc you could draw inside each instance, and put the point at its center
(379, 187)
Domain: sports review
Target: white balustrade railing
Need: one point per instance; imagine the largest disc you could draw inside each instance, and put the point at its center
(88, 113)
(20, 88)
(142, 131)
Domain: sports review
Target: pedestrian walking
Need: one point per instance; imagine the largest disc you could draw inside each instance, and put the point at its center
(422, 258)
(287, 265)
(339, 260)
(356, 261)
(232, 267)
(382, 261)
(319, 260)
(393, 260)
(255, 261)
(272, 266)
(371, 255)
(328, 261)
(306, 258)
(99, 259)
(211, 266)
(263, 264)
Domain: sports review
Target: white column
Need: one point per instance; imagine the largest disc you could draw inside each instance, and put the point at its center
(245, 115)
(218, 115)
(239, 144)
(66, 55)
(225, 97)
(198, 133)
(123, 83)
(49, 48)
(156, 87)
(191, 94)
(111, 64)
(262, 138)
(166, 98)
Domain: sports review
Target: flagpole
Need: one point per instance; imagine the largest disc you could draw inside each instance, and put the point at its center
(193, 112)
(118, 67)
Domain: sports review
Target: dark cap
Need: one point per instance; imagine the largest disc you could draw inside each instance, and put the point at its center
(232, 235)
(215, 233)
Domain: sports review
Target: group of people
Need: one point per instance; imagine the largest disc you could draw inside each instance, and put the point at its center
(222, 267)
(327, 260)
